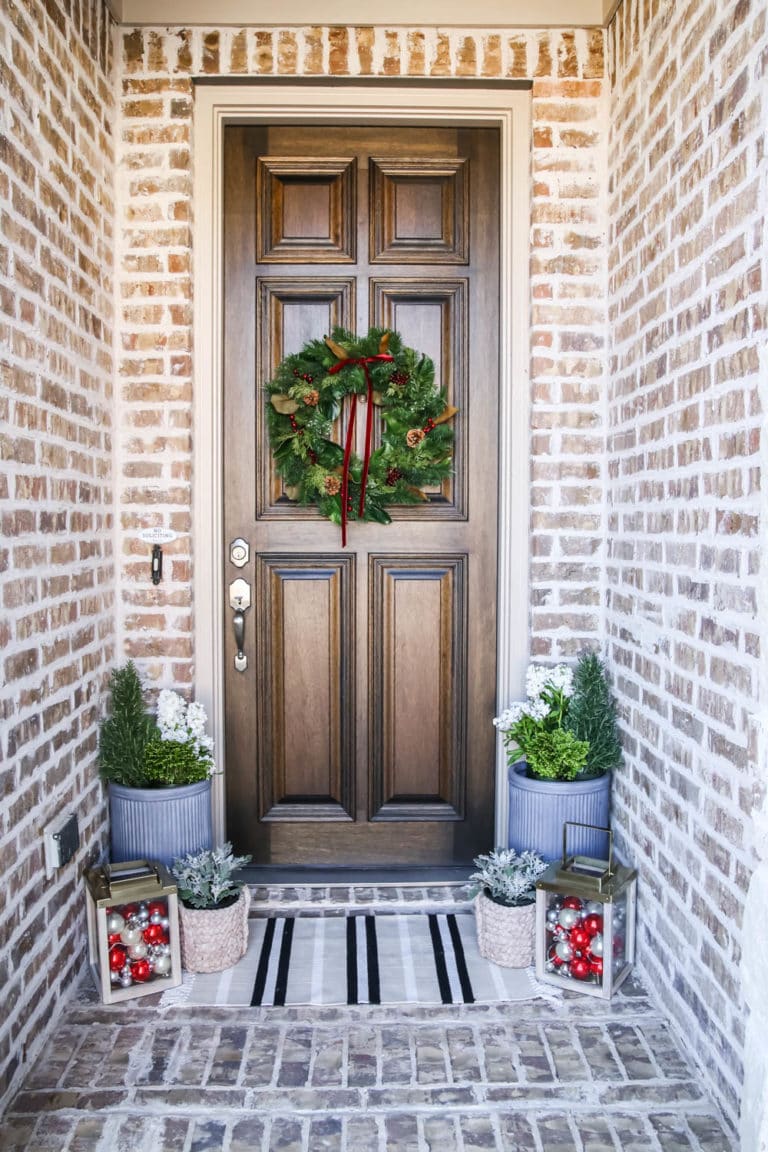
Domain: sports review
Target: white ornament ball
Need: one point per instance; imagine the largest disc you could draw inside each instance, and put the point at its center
(126, 981)
(552, 916)
(115, 923)
(563, 950)
(568, 917)
(165, 922)
(130, 936)
(596, 944)
(593, 908)
(155, 918)
(138, 951)
(162, 965)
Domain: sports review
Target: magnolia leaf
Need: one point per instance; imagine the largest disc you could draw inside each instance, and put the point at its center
(447, 414)
(292, 491)
(283, 404)
(417, 492)
(384, 343)
(377, 397)
(339, 352)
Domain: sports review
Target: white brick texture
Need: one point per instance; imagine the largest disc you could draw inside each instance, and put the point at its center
(685, 512)
(57, 112)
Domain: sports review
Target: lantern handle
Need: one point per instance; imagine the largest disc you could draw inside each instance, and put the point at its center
(124, 874)
(595, 828)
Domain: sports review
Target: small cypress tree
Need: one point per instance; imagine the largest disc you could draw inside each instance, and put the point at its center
(124, 735)
(592, 716)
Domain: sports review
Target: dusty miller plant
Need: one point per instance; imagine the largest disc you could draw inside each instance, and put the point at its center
(506, 877)
(206, 879)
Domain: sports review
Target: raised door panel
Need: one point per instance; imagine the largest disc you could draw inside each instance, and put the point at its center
(307, 211)
(292, 311)
(419, 211)
(305, 646)
(418, 694)
(431, 315)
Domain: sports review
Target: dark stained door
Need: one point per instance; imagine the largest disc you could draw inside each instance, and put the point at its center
(360, 731)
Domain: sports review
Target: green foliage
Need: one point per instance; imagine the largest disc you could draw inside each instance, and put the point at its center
(556, 755)
(206, 879)
(125, 734)
(310, 462)
(169, 762)
(507, 878)
(592, 716)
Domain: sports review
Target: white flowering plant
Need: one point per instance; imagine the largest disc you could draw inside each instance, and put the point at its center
(506, 877)
(566, 728)
(139, 751)
(536, 728)
(180, 752)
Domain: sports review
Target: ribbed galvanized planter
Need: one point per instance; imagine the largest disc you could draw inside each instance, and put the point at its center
(159, 823)
(539, 808)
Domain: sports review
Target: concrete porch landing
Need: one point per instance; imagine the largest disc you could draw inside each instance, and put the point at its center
(523, 1077)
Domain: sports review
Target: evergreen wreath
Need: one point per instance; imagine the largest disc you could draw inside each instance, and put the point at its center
(306, 397)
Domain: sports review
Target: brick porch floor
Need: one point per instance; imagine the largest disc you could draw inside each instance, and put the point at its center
(529, 1076)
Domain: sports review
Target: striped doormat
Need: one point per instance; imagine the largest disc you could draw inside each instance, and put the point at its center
(415, 958)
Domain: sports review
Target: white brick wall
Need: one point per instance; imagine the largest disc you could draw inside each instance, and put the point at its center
(685, 531)
(56, 569)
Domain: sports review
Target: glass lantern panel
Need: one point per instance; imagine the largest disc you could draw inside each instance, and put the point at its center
(138, 942)
(574, 939)
(619, 955)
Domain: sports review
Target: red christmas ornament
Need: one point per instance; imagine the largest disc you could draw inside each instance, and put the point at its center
(572, 902)
(593, 924)
(128, 910)
(117, 957)
(580, 938)
(596, 965)
(155, 934)
(580, 968)
(157, 908)
(140, 970)
(113, 938)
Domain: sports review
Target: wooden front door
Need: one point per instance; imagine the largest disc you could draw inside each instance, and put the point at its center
(359, 730)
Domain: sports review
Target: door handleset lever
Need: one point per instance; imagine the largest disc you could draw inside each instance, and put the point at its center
(240, 601)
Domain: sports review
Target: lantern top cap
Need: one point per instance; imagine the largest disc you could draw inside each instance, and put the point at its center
(584, 876)
(131, 880)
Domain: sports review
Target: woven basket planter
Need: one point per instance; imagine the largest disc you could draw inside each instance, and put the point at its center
(505, 935)
(213, 939)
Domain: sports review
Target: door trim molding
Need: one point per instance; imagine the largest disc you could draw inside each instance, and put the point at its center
(505, 109)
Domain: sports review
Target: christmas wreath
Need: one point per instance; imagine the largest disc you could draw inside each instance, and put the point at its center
(305, 398)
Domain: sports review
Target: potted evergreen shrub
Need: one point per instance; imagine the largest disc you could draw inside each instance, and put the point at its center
(562, 744)
(504, 888)
(213, 909)
(158, 772)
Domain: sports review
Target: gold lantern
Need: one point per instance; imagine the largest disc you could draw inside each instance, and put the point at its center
(585, 922)
(133, 929)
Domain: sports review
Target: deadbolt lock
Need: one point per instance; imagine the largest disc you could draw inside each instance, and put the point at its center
(239, 552)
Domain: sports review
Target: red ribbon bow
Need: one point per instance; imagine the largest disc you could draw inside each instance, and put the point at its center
(364, 361)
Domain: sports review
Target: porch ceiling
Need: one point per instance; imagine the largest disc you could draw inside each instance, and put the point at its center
(443, 13)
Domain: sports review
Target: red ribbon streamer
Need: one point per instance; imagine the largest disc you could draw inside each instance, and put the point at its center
(365, 361)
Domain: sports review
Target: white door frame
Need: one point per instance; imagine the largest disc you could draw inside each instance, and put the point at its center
(504, 108)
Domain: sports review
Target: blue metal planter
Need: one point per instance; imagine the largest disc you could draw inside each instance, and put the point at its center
(160, 823)
(539, 808)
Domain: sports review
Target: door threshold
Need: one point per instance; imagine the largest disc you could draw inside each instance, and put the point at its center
(272, 875)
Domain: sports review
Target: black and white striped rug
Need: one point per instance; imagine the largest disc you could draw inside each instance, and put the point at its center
(416, 958)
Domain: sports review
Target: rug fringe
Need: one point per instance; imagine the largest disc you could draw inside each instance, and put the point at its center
(544, 991)
(178, 996)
